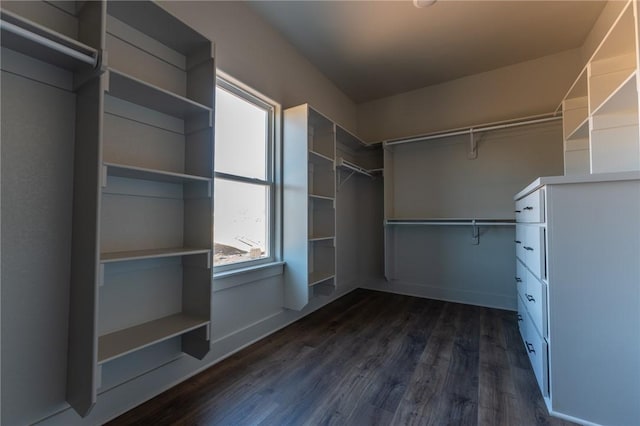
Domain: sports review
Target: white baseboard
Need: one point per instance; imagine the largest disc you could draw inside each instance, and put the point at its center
(445, 294)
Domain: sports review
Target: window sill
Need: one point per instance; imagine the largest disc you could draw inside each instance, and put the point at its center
(235, 277)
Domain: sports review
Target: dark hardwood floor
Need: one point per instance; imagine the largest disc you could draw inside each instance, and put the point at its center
(369, 358)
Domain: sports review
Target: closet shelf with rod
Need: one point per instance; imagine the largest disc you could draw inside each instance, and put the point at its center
(451, 222)
(353, 168)
(474, 223)
(35, 40)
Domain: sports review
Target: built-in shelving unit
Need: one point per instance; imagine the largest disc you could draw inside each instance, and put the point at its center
(600, 111)
(143, 198)
(309, 205)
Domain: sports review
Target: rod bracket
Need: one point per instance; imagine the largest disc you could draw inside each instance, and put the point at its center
(475, 233)
(472, 154)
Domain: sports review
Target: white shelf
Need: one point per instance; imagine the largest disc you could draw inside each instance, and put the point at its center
(132, 172)
(133, 90)
(123, 256)
(37, 41)
(623, 98)
(580, 132)
(315, 156)
(320, 277)
(313, 238)
(123, 342)
(321, 197)
(341, 162)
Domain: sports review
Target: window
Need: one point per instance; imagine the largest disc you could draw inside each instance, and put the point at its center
(244, 178)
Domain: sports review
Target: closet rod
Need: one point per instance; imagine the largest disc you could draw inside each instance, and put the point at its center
(451, 223)
(347, 165)
(43, 41)
(543, 118)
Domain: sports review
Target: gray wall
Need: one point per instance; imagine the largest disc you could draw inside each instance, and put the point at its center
(528, 88)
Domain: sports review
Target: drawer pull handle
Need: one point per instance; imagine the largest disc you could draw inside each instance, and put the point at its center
(518, 242)
(528, 208)
(518, 279)
(519, 317)
(530, 348)
(528, 248)
(530, 298)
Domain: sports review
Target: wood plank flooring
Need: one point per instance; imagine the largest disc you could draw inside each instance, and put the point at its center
(369, 358)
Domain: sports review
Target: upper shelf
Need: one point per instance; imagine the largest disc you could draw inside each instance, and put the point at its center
(154, 21)
(623, 98)
(131, 89)
(37, 41)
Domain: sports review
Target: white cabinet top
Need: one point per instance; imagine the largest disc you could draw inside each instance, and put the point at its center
(563, 180)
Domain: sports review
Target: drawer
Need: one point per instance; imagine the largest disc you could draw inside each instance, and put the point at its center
(533, 245)
(522, 314)
(536, 348)
(531, 207)
(521, 279)
(535, 298)
(519, 241)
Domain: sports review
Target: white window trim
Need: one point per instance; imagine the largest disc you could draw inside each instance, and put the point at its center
(274, 180)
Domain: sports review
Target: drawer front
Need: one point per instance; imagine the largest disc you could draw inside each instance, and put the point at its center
(520, 237)
(531, 207)
(536, 348)
(535, 298)
(521, 279)
(534, 250)
(522, 314)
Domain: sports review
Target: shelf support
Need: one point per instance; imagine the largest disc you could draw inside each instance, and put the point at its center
(343, 181)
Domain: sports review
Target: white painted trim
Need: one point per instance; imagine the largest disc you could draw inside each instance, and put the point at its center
(466, 297)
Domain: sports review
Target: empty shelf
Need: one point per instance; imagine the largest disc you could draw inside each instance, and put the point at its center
(315, 156)
(623, 98)
(39, 42)
(123, 342)
(321, 197)
(122, 256)
(138, 92)
(580, 132)
(133, 172)
(319, 277)
(321, 238)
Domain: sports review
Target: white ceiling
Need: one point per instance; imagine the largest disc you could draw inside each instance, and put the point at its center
(373, 49)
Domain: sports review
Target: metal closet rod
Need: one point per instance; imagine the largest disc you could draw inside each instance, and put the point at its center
(542, 118)
(51, 44)
(439, 222)
(354, 167)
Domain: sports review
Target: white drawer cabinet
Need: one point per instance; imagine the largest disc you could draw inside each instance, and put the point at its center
(578, 292)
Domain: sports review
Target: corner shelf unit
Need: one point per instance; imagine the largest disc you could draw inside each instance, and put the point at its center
(600, 111)
(309, 199)
(356, 157)
(143, 198)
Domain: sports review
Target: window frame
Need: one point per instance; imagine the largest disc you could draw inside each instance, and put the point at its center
(271, 181)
